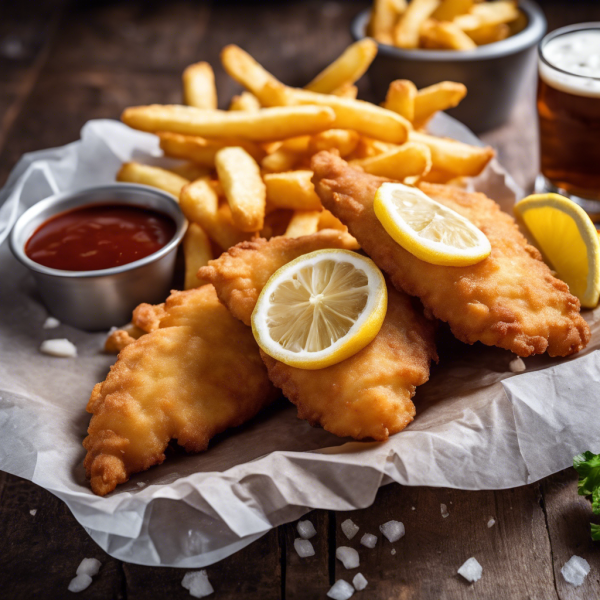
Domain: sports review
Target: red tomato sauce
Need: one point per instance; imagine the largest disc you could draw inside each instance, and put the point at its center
(99, 236)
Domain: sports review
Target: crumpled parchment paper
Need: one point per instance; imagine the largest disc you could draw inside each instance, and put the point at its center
(478, 425)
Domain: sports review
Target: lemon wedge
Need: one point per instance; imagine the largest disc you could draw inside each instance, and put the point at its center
(429, 230)
(320, 309)
(568, 240)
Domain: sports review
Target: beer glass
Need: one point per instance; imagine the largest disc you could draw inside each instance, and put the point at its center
(568, 103)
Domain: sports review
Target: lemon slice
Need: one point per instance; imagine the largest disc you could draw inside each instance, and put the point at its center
(568, 240)
(429, 230)
(320, 309)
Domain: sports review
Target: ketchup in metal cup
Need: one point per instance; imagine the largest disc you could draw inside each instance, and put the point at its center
(99, 236)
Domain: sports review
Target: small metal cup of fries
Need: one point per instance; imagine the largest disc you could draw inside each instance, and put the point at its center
(488, 45)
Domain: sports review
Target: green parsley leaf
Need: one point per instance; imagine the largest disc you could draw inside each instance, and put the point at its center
(588, 467)
(596, 532)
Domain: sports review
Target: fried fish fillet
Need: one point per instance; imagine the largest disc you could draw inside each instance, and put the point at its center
(365, 396)
(510, 299)
(197, 373)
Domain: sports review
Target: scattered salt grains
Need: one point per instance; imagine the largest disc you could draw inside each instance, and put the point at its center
(348, 556)
(140, 484)
(393, 551)
(306, 529)
(340, 590)
(51, 323)
(393, 530)
(516, 365)
(197, 583)
(62, 348)
(89, 566)
(359, 582)
(471, 570)
(575, 570)
(444, 510)
(350, 528)
(491, 522)
(80, 583)
(369, 540)
(33, 512)
(304, 548)
(413, 508)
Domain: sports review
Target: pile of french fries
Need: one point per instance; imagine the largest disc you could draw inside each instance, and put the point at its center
(444, 24)
(246, 170)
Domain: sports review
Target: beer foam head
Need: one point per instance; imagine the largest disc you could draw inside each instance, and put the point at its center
(577, 56)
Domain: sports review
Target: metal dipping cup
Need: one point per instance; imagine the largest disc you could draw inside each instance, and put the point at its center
(97, 300)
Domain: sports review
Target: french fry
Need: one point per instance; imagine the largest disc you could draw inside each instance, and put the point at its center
(488, 13)
(304, 222)
(244, 188)
(368, 147)
(197, 253)
(346, 91)
(445, 35)
(342, 140)
(400, 98)
(406, 32)
(280, 160)
(190, 171)
(262, 125)
(384, 17)
(364, 117)
(199, 86)
(245, 101)
(328, 220)
(133, 172)
(276, 223)
(409, 160)
(346, 69)
(455, 158)
(293, 190)
(487, 34)
(298, 144)
(449, 9)
(200, 204)
(440, 96)
(200, 150)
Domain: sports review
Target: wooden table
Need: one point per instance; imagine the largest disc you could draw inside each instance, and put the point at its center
(62, 65)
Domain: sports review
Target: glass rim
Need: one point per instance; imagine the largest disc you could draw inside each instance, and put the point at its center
(591, 26)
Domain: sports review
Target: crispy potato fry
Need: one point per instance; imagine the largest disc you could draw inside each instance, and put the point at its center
(133, 172)
(190, 171)
(434, 98)
(200, 204)
(449, 9)
(245, 101)
(364, 117)
(244, 188)
(406, 32)
(262, 125)
(342, 140)
(197, 253)
(443, 35)
(199, 86)
(293, 190)
(276, 223)
(346, 91)
(280, 160)
(298, 144)
(400, 98)
(384, 17)
(200, 150)
(328, 220)
(488, 13)
(518, 24)
(409, 160)
(367, 147)
(454, 157)
(487, 34)
(346, 69)
(304, 222)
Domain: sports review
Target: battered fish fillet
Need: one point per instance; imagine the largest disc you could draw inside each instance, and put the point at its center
(369, 394)
(510, 299)
(197, 373)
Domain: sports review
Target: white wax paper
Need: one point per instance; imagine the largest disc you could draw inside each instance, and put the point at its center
(478, 425)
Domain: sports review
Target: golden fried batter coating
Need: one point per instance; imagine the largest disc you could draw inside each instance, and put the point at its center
(510, 299)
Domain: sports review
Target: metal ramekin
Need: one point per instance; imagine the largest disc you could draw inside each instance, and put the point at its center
(96, 300)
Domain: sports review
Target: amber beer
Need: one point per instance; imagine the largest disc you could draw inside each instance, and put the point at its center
(568, 105)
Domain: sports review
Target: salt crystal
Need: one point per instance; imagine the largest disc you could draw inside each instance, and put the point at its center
(348, 556)
(444, 510)
(393, 530)
(340, 590)
(369, 540)
(350, 528)
(51, 323)
(306, 529)
(413, 508)
(80, 583)
(33, 512)
(516, 365)
(89, 566)
(575, 570)
(140, 484)
(491, 522)
(304, 548)
(197, 583)
(471, 570)
(393, 551)
(59, 347)
(359, 582)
